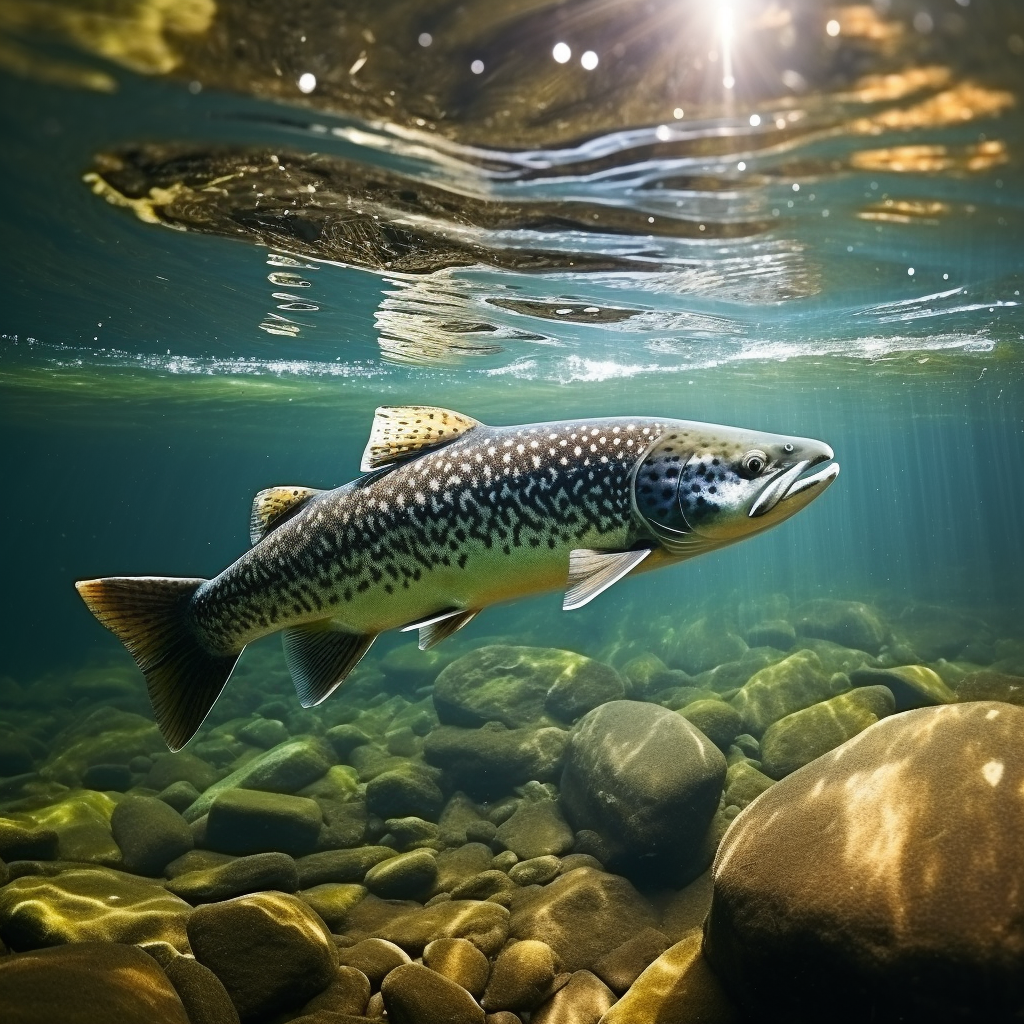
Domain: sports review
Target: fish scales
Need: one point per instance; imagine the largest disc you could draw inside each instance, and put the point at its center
(380, 555)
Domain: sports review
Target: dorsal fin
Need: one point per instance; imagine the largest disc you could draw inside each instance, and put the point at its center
(400, 431)
(275, 505)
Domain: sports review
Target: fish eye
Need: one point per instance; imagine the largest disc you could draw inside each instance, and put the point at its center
(754, 462)
(787, 447)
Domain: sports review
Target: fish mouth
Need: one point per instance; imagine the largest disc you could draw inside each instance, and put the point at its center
(791, 483)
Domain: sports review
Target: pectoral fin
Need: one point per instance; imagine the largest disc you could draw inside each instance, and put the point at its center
(320, 657)
(274, 506)
(401, 431)
(592, 572)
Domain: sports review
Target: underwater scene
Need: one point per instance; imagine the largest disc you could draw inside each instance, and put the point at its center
(518, 512)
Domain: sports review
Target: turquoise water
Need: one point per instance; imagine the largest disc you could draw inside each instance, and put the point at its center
(842, 263)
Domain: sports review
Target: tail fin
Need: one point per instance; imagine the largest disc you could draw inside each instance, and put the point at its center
(149, 615)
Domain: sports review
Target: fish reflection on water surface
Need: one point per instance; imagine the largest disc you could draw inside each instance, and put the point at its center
(453, 516)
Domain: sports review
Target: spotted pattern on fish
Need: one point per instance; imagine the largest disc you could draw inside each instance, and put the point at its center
(390, 548)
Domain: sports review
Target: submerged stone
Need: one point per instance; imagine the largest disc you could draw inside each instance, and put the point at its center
(912, 686)
(459, 961)
(744, 784)
(333, 902)
(778, 690)
(85, 983)
(149, 833)
(376, 958)
(704, 644)
(269, 949)
(882, 881)
(414, 994)
(340, 865)
(720, 722)
(798, 739)
(243, 821)
(403, 792)
(89, 905)
(536, 829)
(624, 964)
(407, 876)
(521, 977)
(237, 877)
(582, 916)
(583, 999)
(987, 685)
(483, 923)
(850, 623)
(648, 783)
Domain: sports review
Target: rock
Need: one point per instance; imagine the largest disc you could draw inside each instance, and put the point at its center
(459, 961)
(459, 865)
(578, 860)
(705, 644)
(744, 784)
(624, 964)
(286, 768)
(348, 993)
(648, 783)
(790, 685)
(536, 829)
(777, 633)
(581, 915)
(114, 778)
(81, 820)
(340, 865)
(345, 738)
(375, 958)
(404, 792)
(344, 824)
(522, 686)
(150, 834)
(984, 685)
(502, 1017)
(521, 977)
(333, 902)
(798, 739)
(937, 631)
(179, 795)
(485, 924)
(264, 733)
(201, 992)
(882, 881)
(238, 877)
(105, 737)
(86, 983)
(836, 658)
(850, 623)
(687, 909)
(912, 686)
(535, 871)
(487, 762)
(414, 994)
(407, 876)
(413, 833)
(677, 988)
(89, 905)
(583, 999)
(486, 885)
(180, 767)
(270, 951)
(243, 821)
(24, 841)
(720, 722)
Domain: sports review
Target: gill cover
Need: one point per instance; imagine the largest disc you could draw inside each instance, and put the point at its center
(656, 484)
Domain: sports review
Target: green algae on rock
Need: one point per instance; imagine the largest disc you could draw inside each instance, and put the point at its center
(90, 905)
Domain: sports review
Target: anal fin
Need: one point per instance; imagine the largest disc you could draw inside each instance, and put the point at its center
(433, 633)
(592, 572)
(274, 506)
(320, 657)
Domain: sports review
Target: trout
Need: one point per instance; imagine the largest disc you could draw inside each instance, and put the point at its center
(451, 517)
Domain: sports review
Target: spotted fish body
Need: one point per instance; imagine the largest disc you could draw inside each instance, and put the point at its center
(454, 516)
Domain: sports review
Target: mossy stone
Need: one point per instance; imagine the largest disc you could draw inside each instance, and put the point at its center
(459, 961)
(408, 876)
(778, 690)
(798, 739)
(333, 902)
(720, 722)
(238, 876)
(912, 686)
(243, 821)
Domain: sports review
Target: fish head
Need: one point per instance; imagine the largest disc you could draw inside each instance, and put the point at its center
(701, 485)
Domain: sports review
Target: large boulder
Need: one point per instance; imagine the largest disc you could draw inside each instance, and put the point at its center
(270, 951)
(882, 881)
(850, 623)
(705, 644)
(84, 983)
(89, 905)
(778, 690)
(522, 686)
(582, 915)
(490, 761)
(912, 686)
(149, 833)
(647, 782)
(799, 738)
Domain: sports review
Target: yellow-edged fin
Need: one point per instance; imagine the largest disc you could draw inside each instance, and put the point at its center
(271, 504)
(400, 431)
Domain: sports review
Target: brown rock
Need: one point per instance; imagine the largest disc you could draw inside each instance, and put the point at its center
(459, 961)
(375, 958)
(582, 916)
(87, 983)
(201, 992)
(348, 992)
(414, 994)
(485, 924)
(678, 988)
(522, 976)
(584, 999)
(883, 880)
(624, 964)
